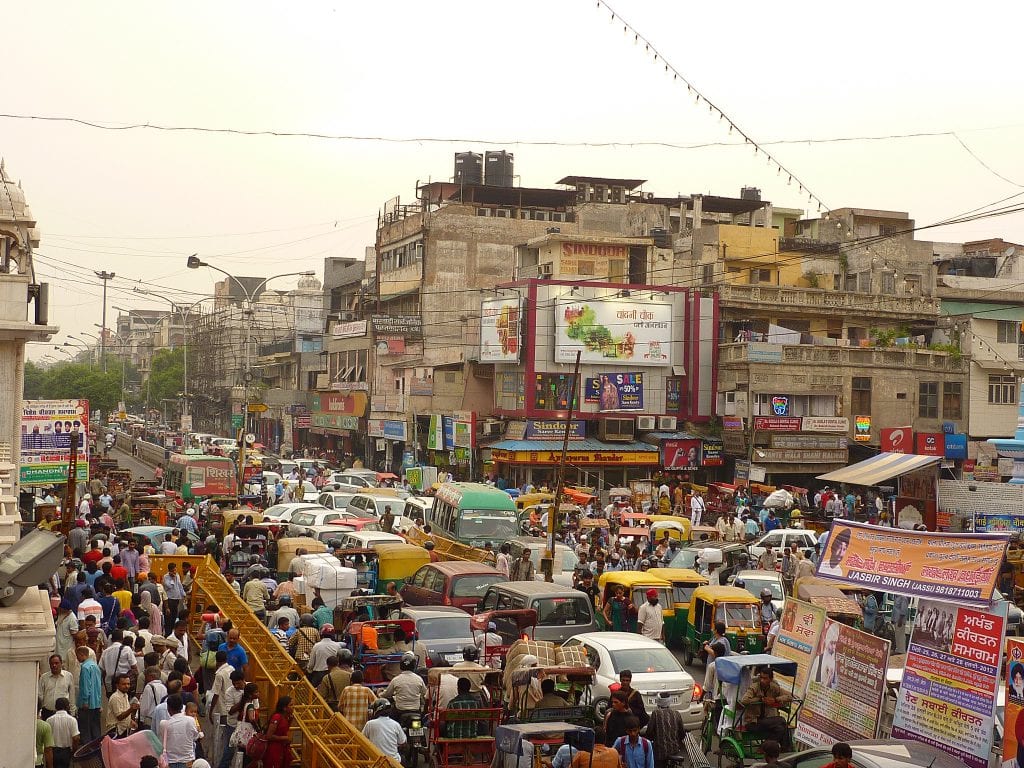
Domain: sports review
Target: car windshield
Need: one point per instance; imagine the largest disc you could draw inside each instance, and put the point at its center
(302, 518)
(737, 615)
(487, 525)
(644, 660)
(754, 587)
(561, 611)
(685, 558)
(475, 585)
(444, 628)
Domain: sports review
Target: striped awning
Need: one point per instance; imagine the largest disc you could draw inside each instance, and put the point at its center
(880, 468)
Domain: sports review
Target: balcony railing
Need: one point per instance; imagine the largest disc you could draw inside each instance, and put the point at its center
(783, 297)
(902, 358)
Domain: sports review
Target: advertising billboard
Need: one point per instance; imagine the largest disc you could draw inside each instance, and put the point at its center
(681, 454)
(898, 439)
(930, 443)
(46, 427)
(500, 330)
(619, 331)
(620, 392)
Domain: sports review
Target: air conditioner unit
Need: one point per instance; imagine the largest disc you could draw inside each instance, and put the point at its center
(492, 428)
(503, 213)
(546, 269)
(616, 430)
(645, 423)
(667, 423)
(348, 316)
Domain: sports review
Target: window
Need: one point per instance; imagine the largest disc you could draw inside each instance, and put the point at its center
(861, 396)
(864, 282)
(1007, 331)
(951, 400)
(928, 400)
(760, 276)
(888, 230)
(888, 283)
(552, 391)
(851, 282)
(708, 275)
(1002, 390)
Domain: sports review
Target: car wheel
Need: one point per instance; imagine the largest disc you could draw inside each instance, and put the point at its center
(601, 708)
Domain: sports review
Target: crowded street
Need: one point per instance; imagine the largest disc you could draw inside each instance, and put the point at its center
(476, 385)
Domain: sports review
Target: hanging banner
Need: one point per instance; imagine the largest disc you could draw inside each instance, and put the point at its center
(961, 567)
(621, 392)
(799, 629)
(629, 332)
(1013, 715)
(950, 683)
(46, 427)
(499, 330)
(845, 687)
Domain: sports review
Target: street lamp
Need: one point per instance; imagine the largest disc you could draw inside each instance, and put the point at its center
(194, 262)
(59, 348)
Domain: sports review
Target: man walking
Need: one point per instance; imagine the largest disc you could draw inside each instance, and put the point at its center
(650, 620)
(58, 684)
(175, 592)
(634, 750)
(90, 695)
(65, 732)
(696, 508)
(666, 730)
(522, 569)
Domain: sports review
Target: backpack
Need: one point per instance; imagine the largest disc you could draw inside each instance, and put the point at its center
(620, 747)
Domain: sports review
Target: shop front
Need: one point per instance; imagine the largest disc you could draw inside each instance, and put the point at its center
(589, 463)
(388, 438)
(334, 424)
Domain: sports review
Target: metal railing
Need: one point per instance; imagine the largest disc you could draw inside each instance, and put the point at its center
(326, 738)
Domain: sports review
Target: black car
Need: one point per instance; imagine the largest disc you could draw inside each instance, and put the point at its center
(878, 753)
(441, 634)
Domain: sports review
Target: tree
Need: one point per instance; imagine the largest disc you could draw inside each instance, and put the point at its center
(166, 376)
(74, 380)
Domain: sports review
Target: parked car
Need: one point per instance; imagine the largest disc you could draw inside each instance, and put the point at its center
(349, 481)
(308, 517)
(561, 611)
(784, 537)
(371, 502)
(456, 583)
(283, 512)
(878, 753)
(756, 580)
(334, 499)
(366, 539)
(441, 633)
(352, 523)
(655, 670)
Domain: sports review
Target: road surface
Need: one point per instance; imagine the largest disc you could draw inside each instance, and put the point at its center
(127, 461)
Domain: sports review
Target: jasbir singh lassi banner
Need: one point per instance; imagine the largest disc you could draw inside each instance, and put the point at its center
(955, 567)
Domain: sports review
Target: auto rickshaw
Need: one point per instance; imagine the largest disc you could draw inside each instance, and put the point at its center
(532, 499)
(398, 562)
(736, 607)
(738, 742)
(364, 561)
(574, 682)
(230, 516)
(675, 529)
(684, 581)
(635, 584)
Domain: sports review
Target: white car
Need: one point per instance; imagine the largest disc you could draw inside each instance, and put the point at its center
(784, 537)
(350, 481)
(366, 539)
(565, 559)
(655, 670)
(334, 499)
(282, 513)
(307, 517)
(756, 580)
(269, 478)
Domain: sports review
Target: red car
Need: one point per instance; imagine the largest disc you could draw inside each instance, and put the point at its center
(453, 583)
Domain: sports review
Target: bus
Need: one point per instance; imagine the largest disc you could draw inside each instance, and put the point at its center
(473, 514)
(196, 475)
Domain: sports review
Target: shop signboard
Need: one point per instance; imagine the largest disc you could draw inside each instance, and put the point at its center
(589, 458)
(951, 566)
(930, 444)
(553, 429)
(897, 439)
(777, 423)
(628, 332)
(389, 429)
(734, 442)
(1013, 715)
(799, 629)
(845, 687)
(956, 446)
(422, 385)
(825, 424)
(408, 327)
(950, 683)
(349, 330)
(681, 454)
(712, 453)
(862, 429)
(463, 429)
(732, 423)
(620, 392)
(334, 421)
(500, 321)
(46, 427)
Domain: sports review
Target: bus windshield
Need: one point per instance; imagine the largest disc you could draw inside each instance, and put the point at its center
(479, 525)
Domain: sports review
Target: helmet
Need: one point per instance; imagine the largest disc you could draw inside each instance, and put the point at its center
(408, 663)
(744, 557)
(739, 583)
(428, 545)
(345, 656)
(529, 660)
(766, 593)
(285, 600)
(470, 653)
(380, 706)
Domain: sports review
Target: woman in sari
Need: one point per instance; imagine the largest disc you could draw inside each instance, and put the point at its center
(279, 740)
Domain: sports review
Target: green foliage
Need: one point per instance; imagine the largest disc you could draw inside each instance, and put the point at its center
(166, 377)
(953, 349)
(887, 337)
(813, 279)
(76, 380)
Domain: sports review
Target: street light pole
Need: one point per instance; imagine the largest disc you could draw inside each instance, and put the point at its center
(105, 277)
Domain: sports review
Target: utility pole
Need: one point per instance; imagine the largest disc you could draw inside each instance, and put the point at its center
(547, 563)
(105, 277)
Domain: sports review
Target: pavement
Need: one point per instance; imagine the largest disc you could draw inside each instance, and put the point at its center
(127, 461)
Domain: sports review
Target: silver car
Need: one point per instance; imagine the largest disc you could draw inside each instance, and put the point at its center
(655, 670)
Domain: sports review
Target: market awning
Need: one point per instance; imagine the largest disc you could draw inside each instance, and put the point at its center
(880, 468)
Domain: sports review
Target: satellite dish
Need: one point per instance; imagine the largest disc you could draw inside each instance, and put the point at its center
(1010, 251)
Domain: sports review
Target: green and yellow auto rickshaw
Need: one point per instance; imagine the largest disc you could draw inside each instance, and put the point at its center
(634, 585)
(684, 581)
(397, 562)
(736, 607)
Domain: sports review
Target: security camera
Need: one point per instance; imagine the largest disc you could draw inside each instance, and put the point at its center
(29, 562)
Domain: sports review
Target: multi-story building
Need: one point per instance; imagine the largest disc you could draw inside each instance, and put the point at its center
(139, 336)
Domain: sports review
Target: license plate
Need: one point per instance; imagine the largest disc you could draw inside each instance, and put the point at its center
(414, 732)
(453, 658)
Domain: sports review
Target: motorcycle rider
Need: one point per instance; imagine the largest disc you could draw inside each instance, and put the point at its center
(407, 691)
(383, 732)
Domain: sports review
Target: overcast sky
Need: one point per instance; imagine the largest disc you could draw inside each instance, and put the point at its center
(139, 202)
